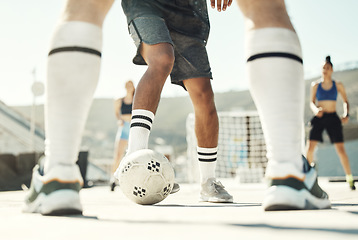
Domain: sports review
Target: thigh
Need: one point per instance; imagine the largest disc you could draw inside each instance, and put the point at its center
(92, 11)
(191, 59)
(263, 13)
(316, 130)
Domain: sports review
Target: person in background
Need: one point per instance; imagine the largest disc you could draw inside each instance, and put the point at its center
(323, 101)
(123, 112)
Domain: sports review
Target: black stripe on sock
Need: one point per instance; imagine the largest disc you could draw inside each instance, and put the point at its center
(275, 54)
(75, 49)
(207, 154)
(143, 125)
(207, 160)
(142, 117)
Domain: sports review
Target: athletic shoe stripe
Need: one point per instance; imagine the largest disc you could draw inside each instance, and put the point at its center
(207, 154)
(51, 187)
(275, 54)
(143, 125)
(75, 49)
(207, 160)
(291, 182)
(298, 185)
(142, 117)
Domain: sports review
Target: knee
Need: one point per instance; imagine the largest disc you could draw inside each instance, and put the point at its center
(262, 13)
(162, 63)
(340, 148)
(91, 11)
(206, 97)
(204, 101)
(201, 91)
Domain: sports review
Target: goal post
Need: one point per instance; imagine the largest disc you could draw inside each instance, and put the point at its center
(241, 148)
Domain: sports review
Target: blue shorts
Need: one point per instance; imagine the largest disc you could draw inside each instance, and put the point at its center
(123, 131)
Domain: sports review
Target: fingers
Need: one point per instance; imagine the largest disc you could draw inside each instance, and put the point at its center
(229, 3)
(225, 4)
(212, 4)
(221, 4)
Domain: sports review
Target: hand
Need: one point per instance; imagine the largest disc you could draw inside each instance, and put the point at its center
(345, 119)
(120, 122)
(319, 114)
(221, 4)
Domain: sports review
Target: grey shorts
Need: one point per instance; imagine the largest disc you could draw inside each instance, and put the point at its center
(191, 58)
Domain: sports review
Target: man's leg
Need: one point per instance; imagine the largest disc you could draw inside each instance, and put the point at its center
(206, 130)
(72, 74)
(275, 74)
(160, 60)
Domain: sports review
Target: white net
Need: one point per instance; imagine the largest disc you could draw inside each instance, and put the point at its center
(241, 149)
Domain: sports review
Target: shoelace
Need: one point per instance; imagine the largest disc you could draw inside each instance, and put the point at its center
(218, 186)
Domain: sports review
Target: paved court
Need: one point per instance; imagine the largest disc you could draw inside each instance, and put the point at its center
(109, 215)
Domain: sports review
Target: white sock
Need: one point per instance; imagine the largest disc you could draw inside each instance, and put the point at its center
(141, 125)
(207, 163)
(72, 74)
(275, 73)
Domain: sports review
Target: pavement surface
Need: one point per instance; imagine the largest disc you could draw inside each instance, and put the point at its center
(110, 215)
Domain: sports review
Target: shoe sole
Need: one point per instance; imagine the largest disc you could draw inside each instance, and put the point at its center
(215, 200)
(282, 198)
(58, 203)
(175, 190)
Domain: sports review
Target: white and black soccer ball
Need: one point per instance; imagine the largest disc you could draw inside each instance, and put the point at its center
(146, 177)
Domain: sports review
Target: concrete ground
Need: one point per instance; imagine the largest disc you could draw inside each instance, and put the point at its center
(109, 215)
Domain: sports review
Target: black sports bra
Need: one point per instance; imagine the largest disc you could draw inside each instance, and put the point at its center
(126, 108)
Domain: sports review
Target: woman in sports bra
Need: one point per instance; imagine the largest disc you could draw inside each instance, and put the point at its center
(123, 111)
(323, 104)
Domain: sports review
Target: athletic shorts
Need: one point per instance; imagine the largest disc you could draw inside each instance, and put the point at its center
(330, 122)
(123, 131)
(182, 23)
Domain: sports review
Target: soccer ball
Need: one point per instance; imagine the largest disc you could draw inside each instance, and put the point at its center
(146, 177)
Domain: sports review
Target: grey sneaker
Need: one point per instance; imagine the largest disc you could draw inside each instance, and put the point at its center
(55, 193)
(214, 192)
(176, 188)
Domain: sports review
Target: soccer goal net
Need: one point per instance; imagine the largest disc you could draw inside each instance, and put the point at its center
(241, 149)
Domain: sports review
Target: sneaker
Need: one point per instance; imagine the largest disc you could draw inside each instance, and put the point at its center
(214, 192)
(56, 192)
(112, 185)
(291, 193)
(351, 185)
(176, 188)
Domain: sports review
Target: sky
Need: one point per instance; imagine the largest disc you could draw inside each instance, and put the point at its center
(325, 27)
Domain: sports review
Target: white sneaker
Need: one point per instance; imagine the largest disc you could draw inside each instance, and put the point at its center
(214, 192)
(56, 192)
(291, 193)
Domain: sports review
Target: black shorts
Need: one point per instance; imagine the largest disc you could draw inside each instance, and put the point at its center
(330, 122)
